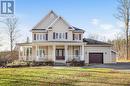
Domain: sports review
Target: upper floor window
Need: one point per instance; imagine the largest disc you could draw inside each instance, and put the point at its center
(76, 36)
(60, 35)
(40, 37)
(37, 36)
(34, 36)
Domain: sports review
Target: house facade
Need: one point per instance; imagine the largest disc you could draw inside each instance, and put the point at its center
(54, 39)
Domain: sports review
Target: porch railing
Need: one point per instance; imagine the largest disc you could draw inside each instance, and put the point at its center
(49, 58)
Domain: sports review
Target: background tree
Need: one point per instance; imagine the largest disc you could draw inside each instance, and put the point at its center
(124, 16)
(12, 31)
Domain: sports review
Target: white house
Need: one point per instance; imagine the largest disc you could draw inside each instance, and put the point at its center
(54, 39)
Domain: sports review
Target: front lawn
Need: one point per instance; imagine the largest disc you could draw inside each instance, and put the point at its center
(62, 76)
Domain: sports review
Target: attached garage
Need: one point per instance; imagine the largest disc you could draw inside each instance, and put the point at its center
(95, 58)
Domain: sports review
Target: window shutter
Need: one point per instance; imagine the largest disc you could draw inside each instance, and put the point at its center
(66, 35)
(46, 36)
(79, 36)
(73, 36)
(34, 36)
(53, 35)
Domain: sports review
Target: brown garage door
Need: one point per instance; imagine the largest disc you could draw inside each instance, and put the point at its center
(96, 58)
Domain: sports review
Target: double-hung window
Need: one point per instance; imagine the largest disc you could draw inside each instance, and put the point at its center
(60, 35)
(40, 37)
(76, 36)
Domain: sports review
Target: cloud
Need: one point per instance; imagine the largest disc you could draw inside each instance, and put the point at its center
(95, 22)
(106, 30)
(106, 26)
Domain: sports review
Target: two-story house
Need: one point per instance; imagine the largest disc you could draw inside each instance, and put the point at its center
(56, 40)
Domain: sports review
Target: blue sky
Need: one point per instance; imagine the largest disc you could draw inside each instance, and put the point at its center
(94, 16)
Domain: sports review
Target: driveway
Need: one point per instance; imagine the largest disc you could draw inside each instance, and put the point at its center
(117, 66)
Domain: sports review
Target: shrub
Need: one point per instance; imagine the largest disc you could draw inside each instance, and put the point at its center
(17, 64)
(75, 62)
(49, 63)
(29, 63)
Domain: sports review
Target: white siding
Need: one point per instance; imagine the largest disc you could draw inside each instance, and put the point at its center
(107, 58)
(46, 22)
(60, 27)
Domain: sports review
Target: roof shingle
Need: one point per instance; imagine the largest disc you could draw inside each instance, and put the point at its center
(92, 42)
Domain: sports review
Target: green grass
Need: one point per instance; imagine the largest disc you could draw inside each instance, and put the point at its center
(71, 76)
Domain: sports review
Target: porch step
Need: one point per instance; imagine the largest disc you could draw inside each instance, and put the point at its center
(60, 64)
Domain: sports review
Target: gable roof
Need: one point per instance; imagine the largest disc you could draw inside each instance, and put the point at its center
(94, 42)
(56, 20)
(43, 19)
(53, 22)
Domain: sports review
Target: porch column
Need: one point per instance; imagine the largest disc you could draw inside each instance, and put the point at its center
(36, 52)
(19, 50)
(25, 53)
(29, 53)
(54, 51)
(66, 52)
(80, 51)
(82, 57)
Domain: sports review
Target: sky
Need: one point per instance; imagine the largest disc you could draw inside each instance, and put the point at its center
(96, 17)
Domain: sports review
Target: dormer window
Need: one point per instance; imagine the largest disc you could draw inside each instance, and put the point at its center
(76, 36)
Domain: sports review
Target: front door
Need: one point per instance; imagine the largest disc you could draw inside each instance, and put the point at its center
(60, 54)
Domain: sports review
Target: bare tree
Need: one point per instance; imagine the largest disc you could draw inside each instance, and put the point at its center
(11, 24)
(124, 16)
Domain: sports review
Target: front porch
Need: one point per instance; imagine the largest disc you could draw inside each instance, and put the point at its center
(52, 52)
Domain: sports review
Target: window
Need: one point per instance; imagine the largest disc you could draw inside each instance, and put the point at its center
(76, 36)
(73, 36)
(34, 36)
(41, 53)
(30, 51)
(46, 36)
(37, 36)
(59, 52)
(76, 53)
(27, 52)
(40, 36)
(66, 35)
(60, 35)
(53, 35)
(56, 35)
(79, 36)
